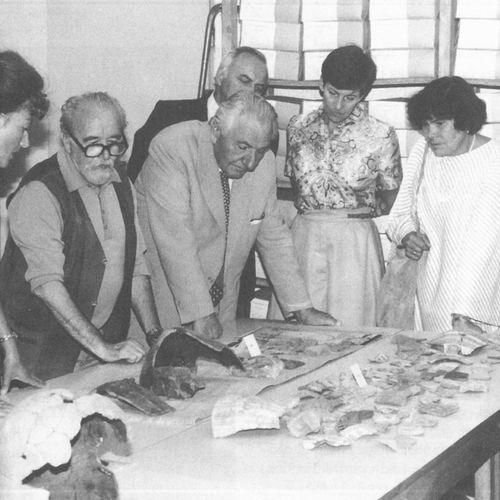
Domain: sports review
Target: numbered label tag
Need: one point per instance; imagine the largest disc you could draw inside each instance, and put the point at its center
(251, 344)
(358, 375)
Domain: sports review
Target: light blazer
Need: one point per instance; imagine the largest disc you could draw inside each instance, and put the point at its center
(182, 211)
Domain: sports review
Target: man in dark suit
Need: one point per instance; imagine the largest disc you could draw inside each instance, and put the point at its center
(243, 68)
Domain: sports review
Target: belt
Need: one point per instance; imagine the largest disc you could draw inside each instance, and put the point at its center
(360, 216)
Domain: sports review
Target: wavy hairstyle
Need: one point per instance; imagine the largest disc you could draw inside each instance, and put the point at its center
(448, 98)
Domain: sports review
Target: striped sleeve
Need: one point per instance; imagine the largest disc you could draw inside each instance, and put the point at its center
(402, 218)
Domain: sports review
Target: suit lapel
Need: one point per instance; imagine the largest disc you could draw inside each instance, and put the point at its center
(210, 180)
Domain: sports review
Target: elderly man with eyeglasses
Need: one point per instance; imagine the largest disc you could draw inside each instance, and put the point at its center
(73, 266)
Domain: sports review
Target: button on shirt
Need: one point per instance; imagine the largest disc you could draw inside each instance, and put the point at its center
(36, 226)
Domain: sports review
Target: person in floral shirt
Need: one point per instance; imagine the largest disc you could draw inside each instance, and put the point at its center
(345, 168)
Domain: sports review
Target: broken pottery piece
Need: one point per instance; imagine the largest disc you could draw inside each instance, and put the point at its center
(386, 419)
(359, 430)
(232, 414)
(304, 422)
(292, 364)
(398, 443)
(410, 429)
(435, 406)
(175, 382)
(445, 392)
(131, 393)
(456, 375)
(474, 386)
(352, 418)
(315, 441)
(318, 350)
(181, 347)
(480, 372)
(454, 358)
(260, 367)
(392, 397)
(379, 358)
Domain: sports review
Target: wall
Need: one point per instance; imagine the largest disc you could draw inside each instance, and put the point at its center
(137, 50)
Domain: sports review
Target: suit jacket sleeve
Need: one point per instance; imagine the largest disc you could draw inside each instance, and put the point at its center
(167, 195)
(275, 245)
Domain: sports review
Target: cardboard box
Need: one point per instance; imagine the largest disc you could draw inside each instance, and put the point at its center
(403, 9)
(275, 36)
(403, 34)
(401, 63)
(479, 34)
(332, 34)
(284, 65)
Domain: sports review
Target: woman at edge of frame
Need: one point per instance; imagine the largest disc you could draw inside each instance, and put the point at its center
(457, 207)
(21, 98)
(345, 168)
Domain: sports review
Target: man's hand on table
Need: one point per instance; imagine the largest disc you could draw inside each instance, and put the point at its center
(313, 317)
(13, 369)
(208, 326)
(128, 350)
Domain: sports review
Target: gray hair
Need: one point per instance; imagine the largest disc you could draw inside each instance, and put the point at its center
(231, 56)
(246, 103)
(76, 104)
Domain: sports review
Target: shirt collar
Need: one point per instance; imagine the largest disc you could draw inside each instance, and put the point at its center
(358, 113)
(72, 177)
(212, 106)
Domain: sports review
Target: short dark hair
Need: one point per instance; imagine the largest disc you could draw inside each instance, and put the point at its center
(349, 68)
(448, 98)
(21, 86)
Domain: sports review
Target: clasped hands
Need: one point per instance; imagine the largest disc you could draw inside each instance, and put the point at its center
(415, 244)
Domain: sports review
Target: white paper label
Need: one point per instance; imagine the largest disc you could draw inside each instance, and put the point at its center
(358, 375)
(251, 344)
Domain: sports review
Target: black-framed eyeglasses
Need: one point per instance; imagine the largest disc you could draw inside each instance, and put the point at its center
(96, 149)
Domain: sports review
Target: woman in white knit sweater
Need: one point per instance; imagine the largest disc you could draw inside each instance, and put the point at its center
(446, 212)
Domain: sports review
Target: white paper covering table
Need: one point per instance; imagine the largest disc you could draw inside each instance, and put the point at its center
(272, 464)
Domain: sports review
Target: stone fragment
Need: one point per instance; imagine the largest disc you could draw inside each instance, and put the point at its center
(474, 386)
(436, 407)
(480, 372)
(318, 350)
(232, 414)
(131, 393)
(359, 430)
(379, 358)
(304, 422)
(398, 443)
(175, 382)
(410, 429)
(292, 364)
(392, 397)
(352, 418)
(261, 367)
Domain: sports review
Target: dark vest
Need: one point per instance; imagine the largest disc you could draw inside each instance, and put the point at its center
(48, 350)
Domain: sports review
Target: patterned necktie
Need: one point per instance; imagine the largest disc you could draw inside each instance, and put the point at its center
(226, 193)
(217, 288)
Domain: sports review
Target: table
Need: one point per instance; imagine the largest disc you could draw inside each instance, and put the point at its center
(189, 463)
(272, 464)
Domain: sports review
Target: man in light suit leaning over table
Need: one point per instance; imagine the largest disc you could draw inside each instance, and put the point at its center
(243, 68)
(206, 194)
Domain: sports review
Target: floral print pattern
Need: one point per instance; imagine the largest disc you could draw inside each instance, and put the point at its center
(343, 168)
